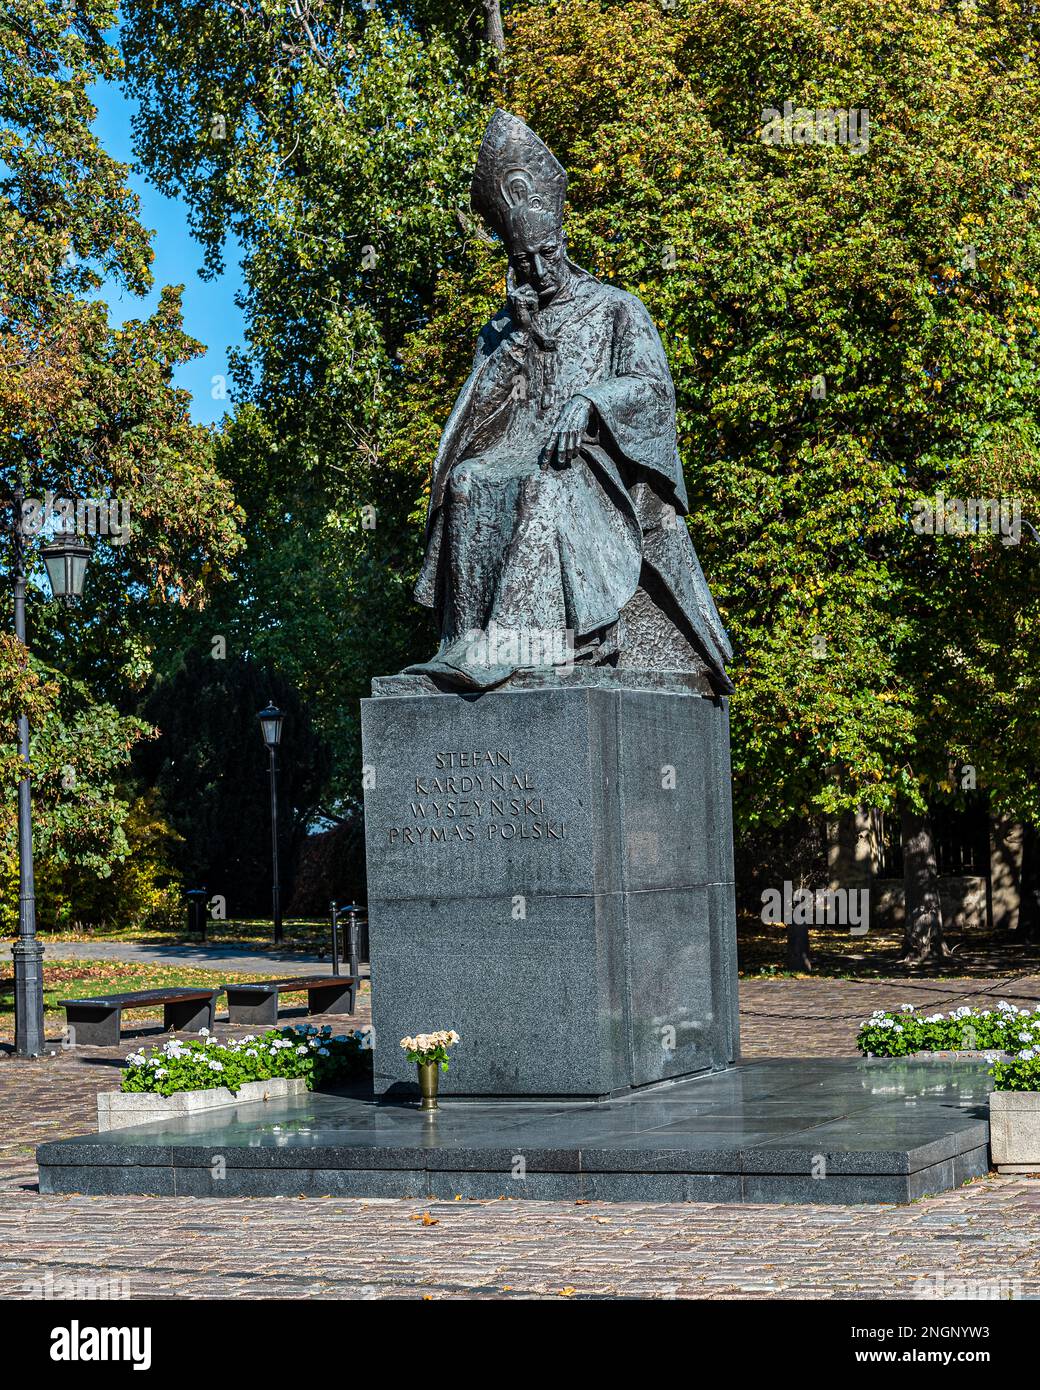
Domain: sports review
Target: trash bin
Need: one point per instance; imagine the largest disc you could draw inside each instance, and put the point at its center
(197, 910)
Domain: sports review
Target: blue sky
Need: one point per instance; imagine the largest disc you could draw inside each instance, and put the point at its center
(210, 312)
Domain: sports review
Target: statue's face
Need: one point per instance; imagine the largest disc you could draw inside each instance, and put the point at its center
(537, 253)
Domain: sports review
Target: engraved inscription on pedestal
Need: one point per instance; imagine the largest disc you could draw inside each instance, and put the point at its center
(536, 884)
(473, 794)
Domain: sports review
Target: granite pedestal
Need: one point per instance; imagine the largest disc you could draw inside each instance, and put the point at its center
(799, 1130)
(550, 873)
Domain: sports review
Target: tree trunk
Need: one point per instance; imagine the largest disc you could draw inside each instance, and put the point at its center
(798, 957)
(923, 934)
(1029, 915)
(494, 34)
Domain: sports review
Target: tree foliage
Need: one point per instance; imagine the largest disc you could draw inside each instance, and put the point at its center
(905, 278)
(334, 142)
(88, 411)
(849, 331)
(210, 768)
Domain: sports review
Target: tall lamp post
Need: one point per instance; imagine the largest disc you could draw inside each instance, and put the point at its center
(271, 728)
(66, 563)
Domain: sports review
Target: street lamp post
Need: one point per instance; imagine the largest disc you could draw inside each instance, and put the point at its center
(27, 953)
(271, 728)
(66, 561)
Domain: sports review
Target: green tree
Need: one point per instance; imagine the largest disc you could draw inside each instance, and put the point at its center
(141, 887)
(211, 770)
(87, 411)
(334, 142)
(851, 327)
(848, 332)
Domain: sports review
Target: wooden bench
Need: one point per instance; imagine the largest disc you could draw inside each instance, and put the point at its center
(97, 1021)
(257, 1001)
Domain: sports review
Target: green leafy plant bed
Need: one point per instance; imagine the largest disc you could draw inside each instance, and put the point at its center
(903, 1032)
(317, 1056)
(1021, 1073)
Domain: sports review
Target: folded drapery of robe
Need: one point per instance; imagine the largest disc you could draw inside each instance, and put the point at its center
(516, 542)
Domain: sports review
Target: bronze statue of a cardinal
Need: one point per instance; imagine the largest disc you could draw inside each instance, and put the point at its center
(556, 531)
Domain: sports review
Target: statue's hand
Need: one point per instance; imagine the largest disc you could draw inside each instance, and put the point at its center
(570, 430)
(523, 303)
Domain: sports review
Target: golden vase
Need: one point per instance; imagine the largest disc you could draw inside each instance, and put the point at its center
(429, 1073)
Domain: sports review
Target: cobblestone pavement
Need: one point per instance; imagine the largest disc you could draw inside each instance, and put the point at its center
(820, 1018)
(222, 957)
(338, 1248)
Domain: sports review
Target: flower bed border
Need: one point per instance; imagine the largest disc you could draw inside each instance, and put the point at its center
(1014, 1131)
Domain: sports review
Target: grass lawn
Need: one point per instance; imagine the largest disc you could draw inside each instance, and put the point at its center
(79, 979)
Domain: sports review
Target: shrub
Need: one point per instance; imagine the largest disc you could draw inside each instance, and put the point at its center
(140, 890)
(1022, 1073)
(897, 1033)
(321, 1058)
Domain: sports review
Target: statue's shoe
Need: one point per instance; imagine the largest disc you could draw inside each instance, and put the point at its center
(465, 665)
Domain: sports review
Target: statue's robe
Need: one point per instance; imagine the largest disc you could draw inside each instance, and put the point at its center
(518, 544)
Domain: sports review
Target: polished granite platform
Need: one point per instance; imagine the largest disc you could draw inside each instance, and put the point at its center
(800, 1130)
